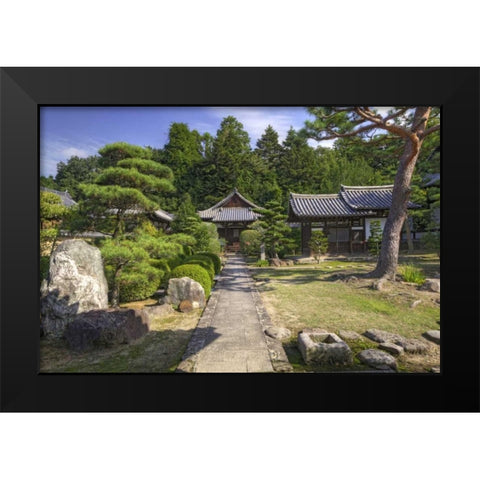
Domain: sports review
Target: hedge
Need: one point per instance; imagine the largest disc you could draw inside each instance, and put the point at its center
(139, 285)
(217, 263)
(195, 272)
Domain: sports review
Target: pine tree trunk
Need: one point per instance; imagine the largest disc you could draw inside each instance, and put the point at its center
(388, 258)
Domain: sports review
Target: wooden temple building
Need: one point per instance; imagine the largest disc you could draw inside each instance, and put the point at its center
(231, 215)
(345, 217)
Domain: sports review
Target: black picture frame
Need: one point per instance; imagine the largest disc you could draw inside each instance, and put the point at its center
(24, 89)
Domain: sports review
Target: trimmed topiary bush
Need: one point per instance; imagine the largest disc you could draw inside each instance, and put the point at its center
(217, 262)
(195, 272)
(250, 241)
(139, 284)
(205, 263)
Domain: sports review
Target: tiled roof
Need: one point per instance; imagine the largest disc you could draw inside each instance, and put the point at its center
(230, 214)
(331, 205)
(350, 202)
(218, 213)
(377, 198)
(229, 196)
(66, 199)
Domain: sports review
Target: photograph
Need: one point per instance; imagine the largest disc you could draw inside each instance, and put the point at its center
(240, 239)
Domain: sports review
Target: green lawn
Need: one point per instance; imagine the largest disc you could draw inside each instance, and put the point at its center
(313, 296)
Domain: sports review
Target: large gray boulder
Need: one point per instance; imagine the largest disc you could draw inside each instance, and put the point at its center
(185, 288)
(76, 283)
(105, 328)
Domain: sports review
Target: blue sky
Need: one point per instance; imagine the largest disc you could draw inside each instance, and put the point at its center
(81, 131)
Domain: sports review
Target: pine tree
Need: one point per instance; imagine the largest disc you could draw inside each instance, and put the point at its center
(269, 148)
(272, 227)
(127, 190)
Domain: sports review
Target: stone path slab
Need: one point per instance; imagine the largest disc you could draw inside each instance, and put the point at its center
(229, 337)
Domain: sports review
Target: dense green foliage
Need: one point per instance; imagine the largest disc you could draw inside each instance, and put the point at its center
(203, 261)
(412, 274)
(250, 242)
(195, 272)
(127, 189)
(52, 215)
(272, 227)
(44, 267)
(217, 262)
(318, 243)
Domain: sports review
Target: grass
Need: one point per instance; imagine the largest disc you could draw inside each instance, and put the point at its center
(159, 351)
(315, 296)
(412, 274)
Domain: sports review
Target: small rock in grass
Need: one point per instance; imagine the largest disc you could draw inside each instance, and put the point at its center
(377, 359)
(435, 369)
(348, 335)
(432, 285)
(415, 303)
(391, 348)
(433, 336)
(412, 345)
(278, 332)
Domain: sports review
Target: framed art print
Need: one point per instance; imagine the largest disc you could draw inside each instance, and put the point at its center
(239, 239)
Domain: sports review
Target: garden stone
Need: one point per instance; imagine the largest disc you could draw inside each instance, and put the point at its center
(380, 336)
(377, 359)
(185, 306)
(105, 328)
(415, 303)
(278, 332)
(185, 289)
(76, 283)
(432, 285)
(412, 345)
(391, 348)
(433, 336)
(348, 335)
(324, 349)
(435, 369)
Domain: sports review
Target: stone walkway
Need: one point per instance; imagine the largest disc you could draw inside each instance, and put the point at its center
(229, 336)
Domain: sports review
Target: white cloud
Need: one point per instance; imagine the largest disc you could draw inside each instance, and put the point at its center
(255, 120)
(58, 149)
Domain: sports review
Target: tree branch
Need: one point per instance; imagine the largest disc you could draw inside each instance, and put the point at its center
(430, 130)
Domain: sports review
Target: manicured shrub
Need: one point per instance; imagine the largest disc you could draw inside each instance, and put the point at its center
(217, 262)
(195, 272)
(140, 283)
(250, 241)
(374, 241)
(176, 261)
(412, 274)
(318, 243)
(206, 263)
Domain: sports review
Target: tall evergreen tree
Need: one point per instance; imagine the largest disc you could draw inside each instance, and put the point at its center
(269, 148)
(231, 149)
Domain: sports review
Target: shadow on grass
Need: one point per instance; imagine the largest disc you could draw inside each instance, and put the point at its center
(160, 351)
